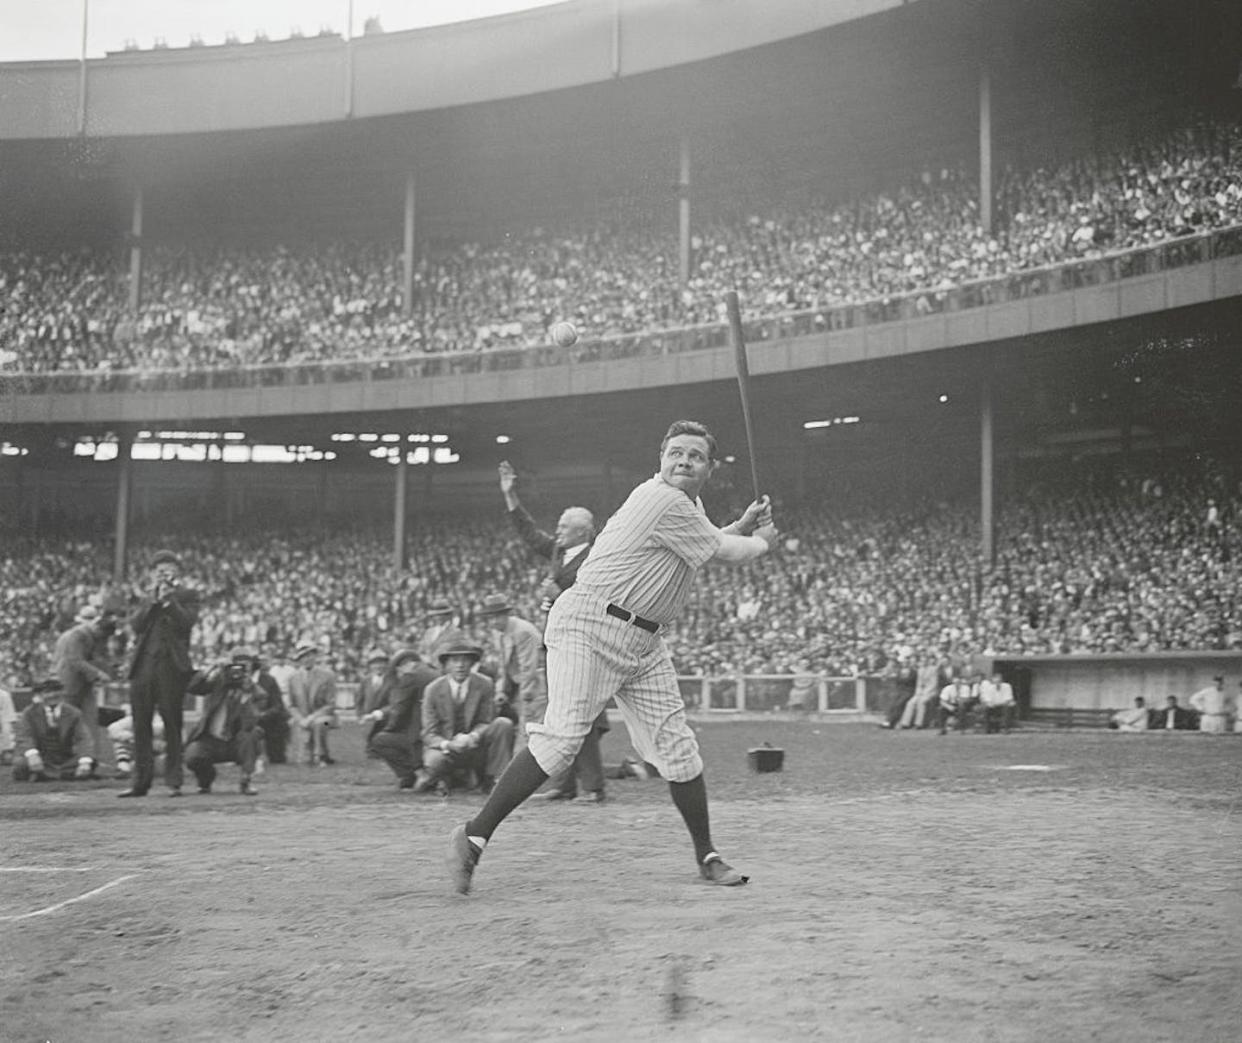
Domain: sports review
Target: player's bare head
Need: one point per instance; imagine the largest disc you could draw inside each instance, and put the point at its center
(687, 457)
(690, 427)
(576, 525)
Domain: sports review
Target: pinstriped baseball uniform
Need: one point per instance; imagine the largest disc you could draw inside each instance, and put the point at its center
(644, 563)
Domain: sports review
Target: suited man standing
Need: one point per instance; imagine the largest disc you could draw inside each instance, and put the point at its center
(460, 726)
(518, 645)
(160, 670)
(397, 739)
(566, 549)
(73, 663)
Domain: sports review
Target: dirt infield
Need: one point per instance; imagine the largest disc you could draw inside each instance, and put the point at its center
(904, 886)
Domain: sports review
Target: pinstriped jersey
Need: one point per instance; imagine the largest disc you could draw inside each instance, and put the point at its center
(646, 558)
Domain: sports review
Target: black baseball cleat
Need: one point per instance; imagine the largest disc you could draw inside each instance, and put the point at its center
(246, 790)
(206, 788)
(715, 870)
(462, 857)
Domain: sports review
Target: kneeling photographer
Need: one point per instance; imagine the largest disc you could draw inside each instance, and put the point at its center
(228, 729)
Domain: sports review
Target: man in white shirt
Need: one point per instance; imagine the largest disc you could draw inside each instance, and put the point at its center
(999, 705)
(1212, 705)
(956, 700)
(1133, 719)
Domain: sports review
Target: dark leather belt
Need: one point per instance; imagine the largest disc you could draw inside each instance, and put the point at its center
(643, 624)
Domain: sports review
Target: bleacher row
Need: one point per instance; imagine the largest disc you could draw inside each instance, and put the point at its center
(221, 307)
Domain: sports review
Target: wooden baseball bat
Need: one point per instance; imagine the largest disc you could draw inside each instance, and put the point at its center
(743, 381)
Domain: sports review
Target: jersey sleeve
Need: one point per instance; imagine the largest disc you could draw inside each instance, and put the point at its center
(685, 530)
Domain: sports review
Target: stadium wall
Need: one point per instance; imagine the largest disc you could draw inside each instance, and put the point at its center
(318, 80)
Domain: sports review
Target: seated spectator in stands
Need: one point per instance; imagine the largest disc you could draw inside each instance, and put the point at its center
(957, 698)
(1134, 719)
(907, 682)
(999, 705)
(1212, 705)
(281, 670)
(52, 739)
(312, 704)
(460, 728)
(926, 689)
(228, 729)
(1173, 717)
(273, 716)
(397, 737)
(121, 735)
(803, 691)
(443, 626)
(8, 719)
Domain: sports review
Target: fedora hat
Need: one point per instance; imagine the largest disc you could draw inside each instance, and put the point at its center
(377, 655)
(305, 650)
(86, 614)
(460, 647)
(495, 605)
(403, 656)
(163, 557)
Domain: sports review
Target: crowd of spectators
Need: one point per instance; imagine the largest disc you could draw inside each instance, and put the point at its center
(1088, 560)
(226, 307)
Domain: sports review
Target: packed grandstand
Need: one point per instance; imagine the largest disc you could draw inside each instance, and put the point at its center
(1097, 558)
(223, 307)
(1116, 552)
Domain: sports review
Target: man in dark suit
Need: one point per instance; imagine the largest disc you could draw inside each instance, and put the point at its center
(1172, 717)
(272, 712)
(73, 661)
(367, 698)
(460, 728)
(228, 729)
(160, 670)
(51, 738)
(397, 738)
(567, 549)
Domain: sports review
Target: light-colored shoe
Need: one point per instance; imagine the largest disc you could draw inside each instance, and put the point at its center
(462, 857)
(715, 870)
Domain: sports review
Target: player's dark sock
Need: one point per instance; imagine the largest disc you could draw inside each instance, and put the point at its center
(691, 800)
(520, 779)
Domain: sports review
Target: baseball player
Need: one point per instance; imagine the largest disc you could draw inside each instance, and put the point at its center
(604, 640)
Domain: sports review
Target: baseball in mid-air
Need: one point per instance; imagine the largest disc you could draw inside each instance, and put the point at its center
(564, 334)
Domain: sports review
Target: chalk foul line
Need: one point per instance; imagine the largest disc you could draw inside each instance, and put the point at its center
(68, 901)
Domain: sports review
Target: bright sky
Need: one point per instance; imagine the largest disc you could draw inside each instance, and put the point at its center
(36, 30)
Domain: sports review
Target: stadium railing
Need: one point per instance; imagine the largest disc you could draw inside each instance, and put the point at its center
(769, 693)
(1020, 285)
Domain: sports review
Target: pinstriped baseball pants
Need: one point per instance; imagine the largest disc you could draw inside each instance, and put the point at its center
(593, 657)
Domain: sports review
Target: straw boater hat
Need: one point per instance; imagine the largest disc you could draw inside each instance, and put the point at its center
(495, 605)
(303, 651)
